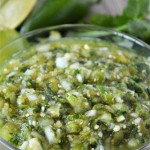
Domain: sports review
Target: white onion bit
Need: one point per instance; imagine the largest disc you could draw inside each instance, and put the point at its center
(49, 134)
(90, 113)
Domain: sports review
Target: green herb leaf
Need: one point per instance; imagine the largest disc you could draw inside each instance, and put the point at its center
(103, 20)
(136, 8)
(133, 19)
(140, 28)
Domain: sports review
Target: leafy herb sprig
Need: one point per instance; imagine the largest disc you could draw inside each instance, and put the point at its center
(133, 19)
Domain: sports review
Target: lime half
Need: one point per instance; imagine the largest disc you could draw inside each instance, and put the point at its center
(13, 12)
(7, 35)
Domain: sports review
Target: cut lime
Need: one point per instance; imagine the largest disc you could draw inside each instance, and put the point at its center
(13, 12)
(2, 2)
(7, 35)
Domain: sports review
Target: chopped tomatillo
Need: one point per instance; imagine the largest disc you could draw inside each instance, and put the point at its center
(75, 94)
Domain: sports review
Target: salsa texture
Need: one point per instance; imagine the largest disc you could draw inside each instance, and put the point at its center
(75, 94)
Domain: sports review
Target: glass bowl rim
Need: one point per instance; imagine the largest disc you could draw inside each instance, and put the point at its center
(88, 26)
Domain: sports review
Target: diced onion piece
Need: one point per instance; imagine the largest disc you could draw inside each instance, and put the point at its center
(43, 48)
(75, 65)
(134, 115)
(100, 134)
(132, 142)
(49, 134)
(116, 128)
(29, 72)
(24, 145)
(61, 62)
(34, 144)
(137, 121)
(66, 85)
(32, 97)
(79, 77)
(90, 113)
(106, 117)
(101, 147)
(120, 118)
(54, 110)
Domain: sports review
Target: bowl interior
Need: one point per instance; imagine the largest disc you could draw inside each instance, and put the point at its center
(29, 40)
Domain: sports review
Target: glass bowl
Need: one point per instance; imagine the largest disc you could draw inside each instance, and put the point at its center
(28, 40)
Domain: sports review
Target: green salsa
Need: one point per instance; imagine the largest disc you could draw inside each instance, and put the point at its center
(75, 94)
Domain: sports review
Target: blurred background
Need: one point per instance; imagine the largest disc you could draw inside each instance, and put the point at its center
(113, 8)
(127, 16)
